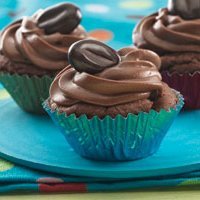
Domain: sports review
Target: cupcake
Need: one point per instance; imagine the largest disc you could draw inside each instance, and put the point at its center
(174, 34)
(112, 105)
(34, 49)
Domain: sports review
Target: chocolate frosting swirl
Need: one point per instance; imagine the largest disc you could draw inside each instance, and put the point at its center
(24, 42)
(134, 78)
(165, 33)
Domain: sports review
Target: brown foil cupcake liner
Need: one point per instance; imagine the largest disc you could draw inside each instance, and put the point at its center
(187, 84)
(29, 92)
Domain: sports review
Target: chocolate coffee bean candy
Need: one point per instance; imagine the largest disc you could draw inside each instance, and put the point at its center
(62, 18)
(92, 56)
(187, 9)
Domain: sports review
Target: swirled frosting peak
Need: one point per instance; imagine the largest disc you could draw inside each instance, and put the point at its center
(44, 38)
(131, 75)
(164, 33)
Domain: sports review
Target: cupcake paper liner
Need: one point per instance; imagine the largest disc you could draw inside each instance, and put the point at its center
(28, 92)
(187, 85)
(119, 139)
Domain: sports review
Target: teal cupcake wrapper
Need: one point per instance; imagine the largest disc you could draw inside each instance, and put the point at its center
(29, 92)
(119, 139)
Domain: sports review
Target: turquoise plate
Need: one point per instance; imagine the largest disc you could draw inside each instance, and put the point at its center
(35, 142)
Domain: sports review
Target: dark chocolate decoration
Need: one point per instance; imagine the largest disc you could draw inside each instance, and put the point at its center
(92, 56)
(63, 18)
(187, 9)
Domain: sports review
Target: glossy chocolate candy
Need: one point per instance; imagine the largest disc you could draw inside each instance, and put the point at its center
(63, 18)
(92, 56)
(187, 9)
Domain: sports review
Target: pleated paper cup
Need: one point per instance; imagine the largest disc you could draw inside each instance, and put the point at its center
(119, 139)
(187, 84)
(29, 92)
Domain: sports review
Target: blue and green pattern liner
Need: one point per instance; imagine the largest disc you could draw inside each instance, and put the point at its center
(120, 139)
(28, 92)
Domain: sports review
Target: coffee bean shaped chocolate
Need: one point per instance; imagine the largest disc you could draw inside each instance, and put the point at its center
(92, 56)
(62, 18)
(187, 9)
